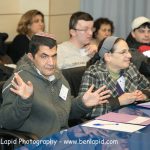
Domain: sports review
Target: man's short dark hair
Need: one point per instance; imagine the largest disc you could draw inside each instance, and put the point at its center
(147, 24)
(37, 41)
(79, 16)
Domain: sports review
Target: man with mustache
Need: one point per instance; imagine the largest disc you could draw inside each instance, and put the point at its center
(37, 98)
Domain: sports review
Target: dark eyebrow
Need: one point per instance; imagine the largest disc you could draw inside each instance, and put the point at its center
(54, 55)
(44, 54)
(48, 55)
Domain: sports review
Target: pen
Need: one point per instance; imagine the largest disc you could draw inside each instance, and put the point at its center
(99, 124)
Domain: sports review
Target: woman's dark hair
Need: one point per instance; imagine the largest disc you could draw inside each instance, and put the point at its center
(101, 21)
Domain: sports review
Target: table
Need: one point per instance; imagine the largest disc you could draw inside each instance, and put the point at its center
(86, 138)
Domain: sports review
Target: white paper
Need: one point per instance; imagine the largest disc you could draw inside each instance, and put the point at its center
(139, 120)
(113, 126)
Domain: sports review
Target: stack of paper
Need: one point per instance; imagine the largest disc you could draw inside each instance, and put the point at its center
(125, 118)
(113, 126)
(119, 122)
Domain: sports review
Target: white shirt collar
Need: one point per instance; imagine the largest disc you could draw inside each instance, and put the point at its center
(51, 78)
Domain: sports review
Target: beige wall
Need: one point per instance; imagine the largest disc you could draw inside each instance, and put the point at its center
(57, 14)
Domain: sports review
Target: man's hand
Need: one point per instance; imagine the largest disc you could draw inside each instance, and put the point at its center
(98, 97)
(24, 90)
(91, 50)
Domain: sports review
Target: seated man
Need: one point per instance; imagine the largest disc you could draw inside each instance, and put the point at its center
(115, 70)
(139, 43)
(37, 98)
(77, 50)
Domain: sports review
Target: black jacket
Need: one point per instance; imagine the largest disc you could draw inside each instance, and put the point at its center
(142, 62)
(19, 47)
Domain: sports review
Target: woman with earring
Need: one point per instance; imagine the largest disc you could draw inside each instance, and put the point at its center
(30, 23)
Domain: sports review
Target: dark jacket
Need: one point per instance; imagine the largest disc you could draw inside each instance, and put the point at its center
(141, 62)
(45, 112)
(18, 47)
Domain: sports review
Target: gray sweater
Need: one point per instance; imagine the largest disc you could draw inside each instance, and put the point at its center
(45, 112)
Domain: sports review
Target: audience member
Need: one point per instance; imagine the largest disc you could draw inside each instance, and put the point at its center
(139, 43)
(115, 70)
(37, 98)
(30, 23)
(77, 50)
(103, 28)
(4, 58)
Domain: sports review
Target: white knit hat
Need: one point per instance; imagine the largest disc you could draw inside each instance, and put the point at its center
(137, 22)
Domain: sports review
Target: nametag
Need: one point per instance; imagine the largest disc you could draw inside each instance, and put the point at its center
(63, 92)
(121, 82)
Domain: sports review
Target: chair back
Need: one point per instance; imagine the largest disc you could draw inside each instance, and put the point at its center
(74, 77)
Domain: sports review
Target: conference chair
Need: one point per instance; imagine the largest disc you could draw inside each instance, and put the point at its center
(74, 77)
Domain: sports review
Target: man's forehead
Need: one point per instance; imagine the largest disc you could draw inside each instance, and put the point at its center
(47, 49)
(85, 23)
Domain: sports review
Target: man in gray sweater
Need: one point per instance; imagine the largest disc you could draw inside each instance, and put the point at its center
(37, 99)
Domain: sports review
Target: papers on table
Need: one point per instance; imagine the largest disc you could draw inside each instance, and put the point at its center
(146, 105)
(125, 118)
(113, 126)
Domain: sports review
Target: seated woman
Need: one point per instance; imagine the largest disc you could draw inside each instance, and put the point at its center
(116, 71)
(103, 28)
(30, 23)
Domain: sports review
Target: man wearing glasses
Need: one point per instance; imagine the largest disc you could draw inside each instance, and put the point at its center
(77, 50)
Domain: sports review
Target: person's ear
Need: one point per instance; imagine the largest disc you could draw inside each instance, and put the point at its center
(133, 34)
(107, 57)
(72, 32)
(30, 56)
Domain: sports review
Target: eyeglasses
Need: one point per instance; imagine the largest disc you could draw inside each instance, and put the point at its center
(124, 52)
(85, 30)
